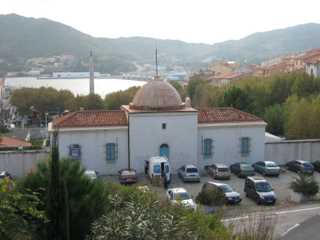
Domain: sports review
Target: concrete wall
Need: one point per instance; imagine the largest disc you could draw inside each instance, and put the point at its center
(285, 151)
(20, 163)
(147, 135)
(93, 147)
(226, 143)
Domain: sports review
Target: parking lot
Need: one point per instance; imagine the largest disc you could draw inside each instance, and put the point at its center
(280, 185)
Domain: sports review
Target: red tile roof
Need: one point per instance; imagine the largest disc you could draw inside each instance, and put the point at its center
(13, 142)
(98, 118)
(91, 118)
(225, 115)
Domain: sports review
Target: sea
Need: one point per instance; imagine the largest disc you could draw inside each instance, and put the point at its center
(76, 86)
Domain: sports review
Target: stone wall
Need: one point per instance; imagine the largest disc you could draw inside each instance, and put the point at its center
(20, 163)
(285, 151)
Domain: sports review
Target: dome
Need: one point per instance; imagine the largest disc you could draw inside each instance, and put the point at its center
(157, 95)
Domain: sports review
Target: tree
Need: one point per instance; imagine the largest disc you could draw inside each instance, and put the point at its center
(116, 99)
(19, 216)
(89, 102)
(82, 199)
(274, 116)
(237, 98)
(55, 210)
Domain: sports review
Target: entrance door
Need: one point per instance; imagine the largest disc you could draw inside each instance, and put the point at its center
(164, 150)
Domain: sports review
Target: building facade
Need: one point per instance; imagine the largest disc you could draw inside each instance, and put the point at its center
(157, 123)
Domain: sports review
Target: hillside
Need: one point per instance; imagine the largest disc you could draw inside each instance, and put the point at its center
(264, 45)
(23, 38)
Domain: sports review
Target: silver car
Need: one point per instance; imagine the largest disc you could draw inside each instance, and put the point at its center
(218, 171)
(189, 173)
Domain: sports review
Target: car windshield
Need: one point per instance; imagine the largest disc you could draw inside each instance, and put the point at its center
(226, 188)
(182, 196)
(223, 169)
(271, 164)
(192, 170)
(307, 165)
(156, 169)
(245, 167)
(263, 187)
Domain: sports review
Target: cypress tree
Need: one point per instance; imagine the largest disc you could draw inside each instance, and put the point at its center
(55, 204)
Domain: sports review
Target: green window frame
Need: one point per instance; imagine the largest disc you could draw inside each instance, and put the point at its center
(111, 151)
(207, 147)
(245, 146)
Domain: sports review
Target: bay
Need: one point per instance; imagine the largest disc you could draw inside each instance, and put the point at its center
(76, 86)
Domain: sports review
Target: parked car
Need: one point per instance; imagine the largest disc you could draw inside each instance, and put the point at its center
(180, 196)
(316, 166)
(4, 174)
(242, 169)
(218, 171)
(91, 174)
(231, 196)
(267, 168)
(189, 173)
(260, 190)
(300, 166)
(128, 176)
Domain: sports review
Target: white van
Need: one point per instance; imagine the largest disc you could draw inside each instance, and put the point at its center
(157, 167)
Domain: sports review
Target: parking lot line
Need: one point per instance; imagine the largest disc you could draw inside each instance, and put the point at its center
(289, 229)
(276, 213)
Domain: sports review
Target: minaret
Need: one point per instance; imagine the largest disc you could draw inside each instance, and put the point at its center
(156, 77)
(91, 74)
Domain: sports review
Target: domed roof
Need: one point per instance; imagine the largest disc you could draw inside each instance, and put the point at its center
(157, 95)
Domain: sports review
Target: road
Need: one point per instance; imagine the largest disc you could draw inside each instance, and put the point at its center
(291, 223)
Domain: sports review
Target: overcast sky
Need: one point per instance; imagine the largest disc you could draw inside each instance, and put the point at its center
(205, 21)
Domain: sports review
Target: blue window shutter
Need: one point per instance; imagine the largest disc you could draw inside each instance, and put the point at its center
(111, 151)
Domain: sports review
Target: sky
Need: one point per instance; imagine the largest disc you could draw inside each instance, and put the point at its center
(205, 21)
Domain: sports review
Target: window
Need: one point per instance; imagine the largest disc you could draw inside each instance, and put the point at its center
(207, 147)
(75, 151)
(245, 146)
(164, 126)
(111, 151)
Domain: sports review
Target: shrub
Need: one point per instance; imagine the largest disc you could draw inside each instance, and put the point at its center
(137, 215)
(316, 165)
(211, 197)
(305, 185)
(19, 218)
(87, 199)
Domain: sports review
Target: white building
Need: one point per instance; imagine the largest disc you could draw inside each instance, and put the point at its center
(157, 122)
(313, 68)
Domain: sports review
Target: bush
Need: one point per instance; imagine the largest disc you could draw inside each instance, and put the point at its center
(87, 199)
(137, 215)
(19, 218)
(211, 197)
(316, 165)
(305, 185)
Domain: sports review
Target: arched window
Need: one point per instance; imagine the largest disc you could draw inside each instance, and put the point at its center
(164, 150)
(207, 147)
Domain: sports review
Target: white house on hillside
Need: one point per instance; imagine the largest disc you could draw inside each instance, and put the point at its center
(156, 123)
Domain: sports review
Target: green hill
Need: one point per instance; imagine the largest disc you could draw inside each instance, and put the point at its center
(22, 38)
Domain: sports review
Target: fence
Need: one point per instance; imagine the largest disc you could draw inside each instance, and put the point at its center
(20, 162)
(285, 151)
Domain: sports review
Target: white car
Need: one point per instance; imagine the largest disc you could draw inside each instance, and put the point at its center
(91, 174)
(181, 196)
